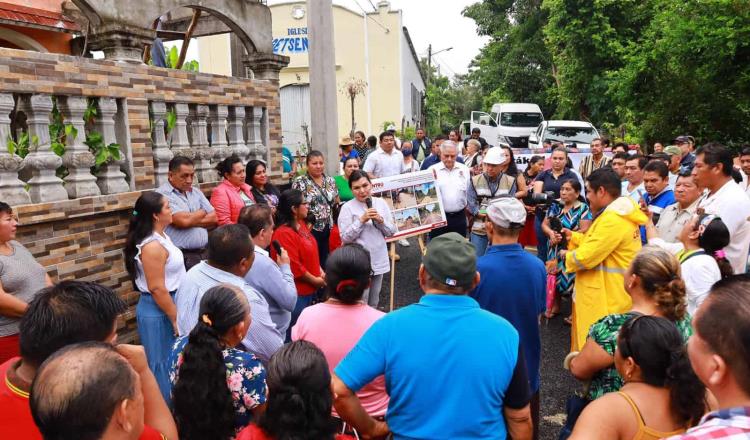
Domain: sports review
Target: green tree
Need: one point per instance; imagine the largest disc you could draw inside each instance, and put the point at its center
(448, 102)
(515, 66)
(689, 74)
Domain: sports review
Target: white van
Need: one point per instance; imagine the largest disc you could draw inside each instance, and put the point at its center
(508, 124)
(578, 134)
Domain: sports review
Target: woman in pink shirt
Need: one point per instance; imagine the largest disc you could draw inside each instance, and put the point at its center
(337, 324)
(232, 194)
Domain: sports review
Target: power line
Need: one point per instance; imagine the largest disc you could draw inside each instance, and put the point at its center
(367, 15)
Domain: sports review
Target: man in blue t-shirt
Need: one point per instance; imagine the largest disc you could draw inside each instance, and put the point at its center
(513, 285)
(656, 182)
(452, 370)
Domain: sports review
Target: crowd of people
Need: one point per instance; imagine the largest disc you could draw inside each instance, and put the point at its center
(258, 313)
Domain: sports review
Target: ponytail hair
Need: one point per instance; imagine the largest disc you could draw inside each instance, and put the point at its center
(203, 406)
(348, 273)
(141, 225)
(660, 276)
(658, 348)
(713, 238)
(299, 395)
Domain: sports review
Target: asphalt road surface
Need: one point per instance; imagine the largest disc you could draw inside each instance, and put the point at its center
(557, 383)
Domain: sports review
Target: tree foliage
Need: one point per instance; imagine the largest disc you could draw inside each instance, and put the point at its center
(653, 68)
(448, 101)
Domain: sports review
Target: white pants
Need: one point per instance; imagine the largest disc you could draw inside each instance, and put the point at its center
(375, 285)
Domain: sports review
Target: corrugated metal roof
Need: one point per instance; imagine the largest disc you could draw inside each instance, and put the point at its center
(38, 18)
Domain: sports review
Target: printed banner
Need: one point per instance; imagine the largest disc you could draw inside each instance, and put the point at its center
(414, 200)
(524, 155)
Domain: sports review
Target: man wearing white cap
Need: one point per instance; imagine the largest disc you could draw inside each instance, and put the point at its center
(512, 285)
(453, 179)
(483, 189)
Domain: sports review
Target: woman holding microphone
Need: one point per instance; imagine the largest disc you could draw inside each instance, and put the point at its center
(368, 221)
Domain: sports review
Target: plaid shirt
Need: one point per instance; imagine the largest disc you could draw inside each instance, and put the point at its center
(729, 423)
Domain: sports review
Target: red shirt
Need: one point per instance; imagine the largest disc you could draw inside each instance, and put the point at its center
(334, 240)
(303, 254)
(253, 432)
(15, 413)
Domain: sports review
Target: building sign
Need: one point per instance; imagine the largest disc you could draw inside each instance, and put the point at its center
(295, 41)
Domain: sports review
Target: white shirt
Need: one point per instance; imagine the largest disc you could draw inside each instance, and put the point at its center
(745, 185)
(174, 270)
(370, 235)
(731, 203)
(699, 273)
(673, 180)
(412, 167)
(381, 164)
(454, 185)
(636, 193)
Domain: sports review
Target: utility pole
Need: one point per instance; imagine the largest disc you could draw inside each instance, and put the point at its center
(323, 112)
(429, 62)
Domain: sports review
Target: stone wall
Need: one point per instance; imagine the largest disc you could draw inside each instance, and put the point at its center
(27, 72)
(83, 238)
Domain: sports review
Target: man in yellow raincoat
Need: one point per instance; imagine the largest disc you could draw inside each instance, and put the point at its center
(601, 256)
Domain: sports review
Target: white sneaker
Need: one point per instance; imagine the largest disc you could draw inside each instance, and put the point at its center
(404, 242)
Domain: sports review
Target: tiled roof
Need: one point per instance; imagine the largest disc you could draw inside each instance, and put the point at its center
(37, 18)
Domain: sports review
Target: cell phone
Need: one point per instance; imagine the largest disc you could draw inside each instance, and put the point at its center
(277, 246)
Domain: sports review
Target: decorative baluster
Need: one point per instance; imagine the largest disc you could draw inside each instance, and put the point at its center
(77, 158)
(159, 148)
(180, 141)
(44, 185)
(110, 178)
(218, 116)
(236, 132)
(203, 152)
(12, 189)
(254, 139)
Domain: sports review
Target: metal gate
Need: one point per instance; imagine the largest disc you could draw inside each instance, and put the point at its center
(295, 115)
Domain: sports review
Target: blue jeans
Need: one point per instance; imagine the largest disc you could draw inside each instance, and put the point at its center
(157, 336)
(302, 303)
(480, 243)
(541, 239)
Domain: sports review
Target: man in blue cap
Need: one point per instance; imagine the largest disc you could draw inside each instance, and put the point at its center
(453, 369)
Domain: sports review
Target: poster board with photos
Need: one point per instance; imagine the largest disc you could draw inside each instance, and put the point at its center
(414, 201)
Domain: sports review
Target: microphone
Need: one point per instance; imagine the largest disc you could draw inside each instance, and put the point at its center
(368, 202)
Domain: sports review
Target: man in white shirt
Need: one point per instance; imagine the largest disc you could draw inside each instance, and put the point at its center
(725, 198)
(745, 169)
(633, 185)
(453, 180)
(385, 161)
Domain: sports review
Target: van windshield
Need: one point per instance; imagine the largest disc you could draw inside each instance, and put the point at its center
(580, 135)
(509, 119)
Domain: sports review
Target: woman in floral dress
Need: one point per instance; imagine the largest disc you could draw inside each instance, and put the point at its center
(321, 194)
(575, 215)
(216, 389)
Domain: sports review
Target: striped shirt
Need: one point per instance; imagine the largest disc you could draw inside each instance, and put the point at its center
(588, 165)
(263, 338)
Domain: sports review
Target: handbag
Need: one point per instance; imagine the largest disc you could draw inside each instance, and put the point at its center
(551, 290)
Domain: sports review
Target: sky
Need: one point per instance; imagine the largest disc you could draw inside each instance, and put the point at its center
(436, 22)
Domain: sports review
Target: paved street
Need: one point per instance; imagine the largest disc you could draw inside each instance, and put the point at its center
(556, 382)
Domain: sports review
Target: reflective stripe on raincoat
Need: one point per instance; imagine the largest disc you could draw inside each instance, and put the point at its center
(600, 258)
